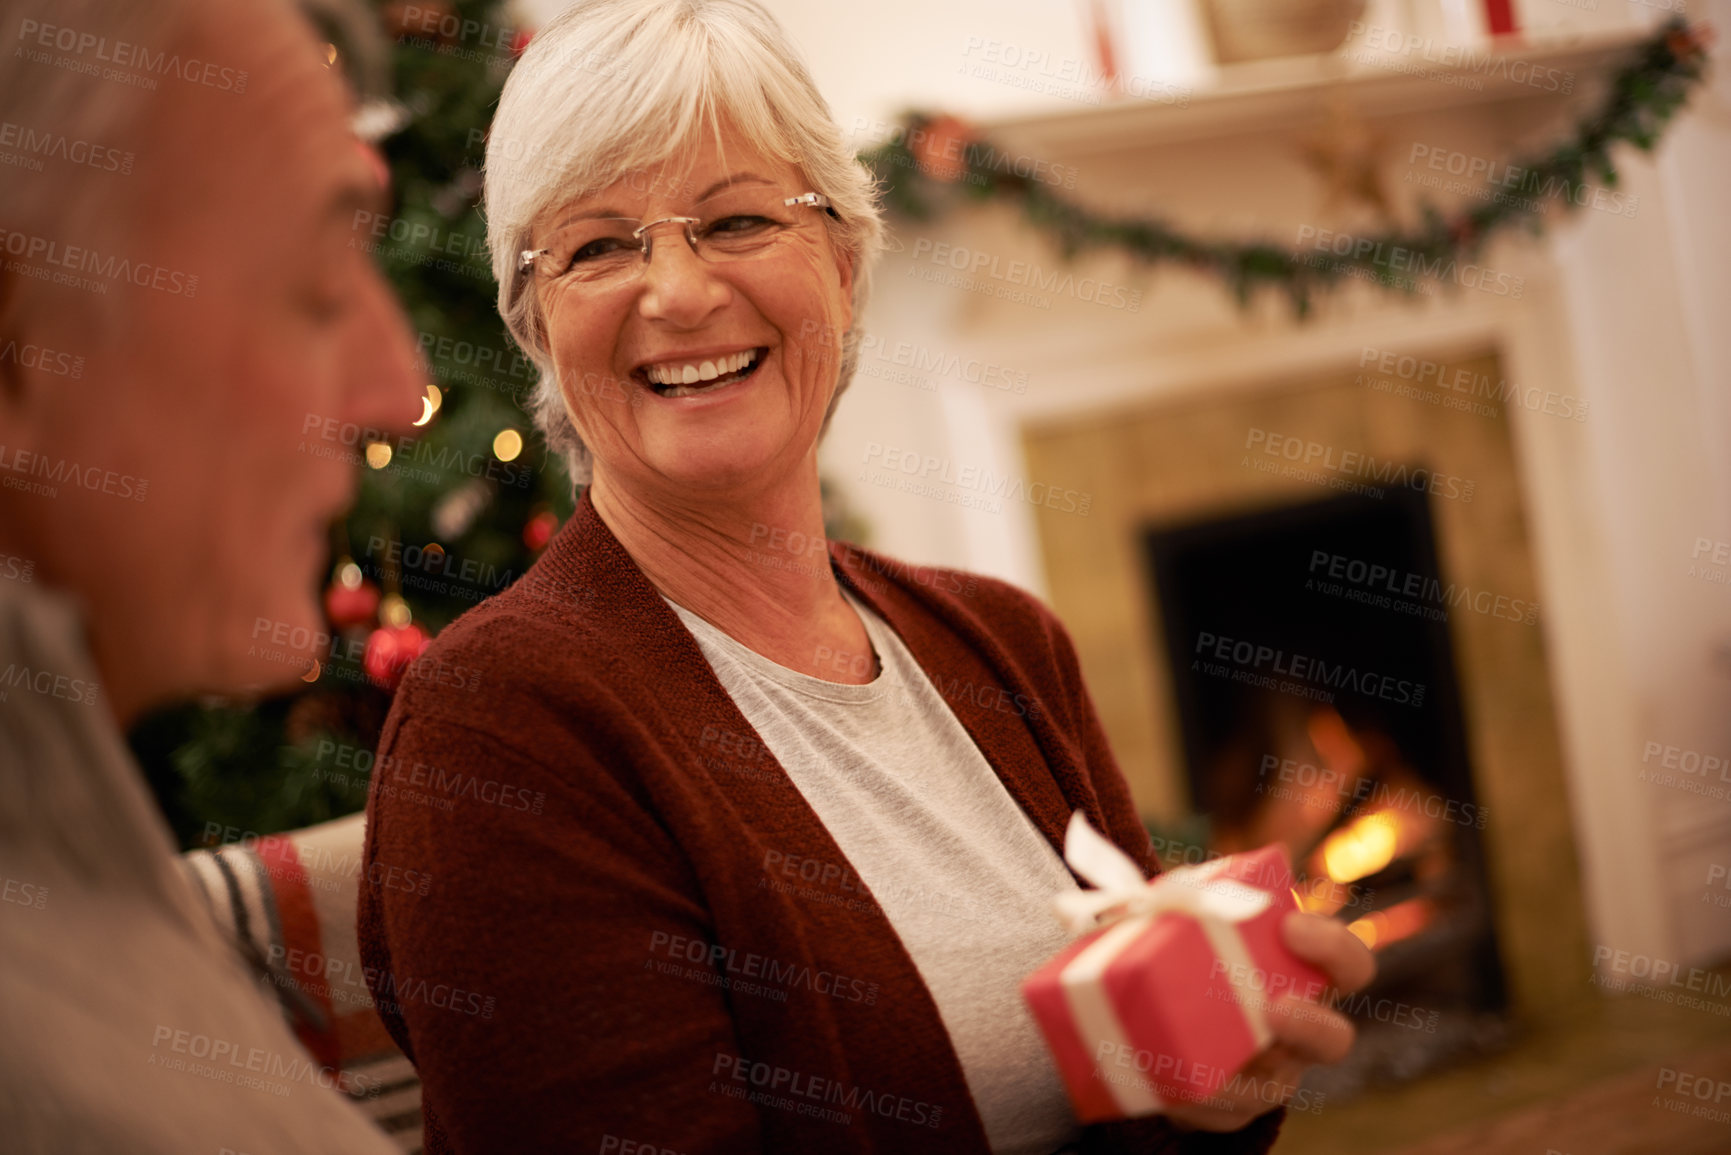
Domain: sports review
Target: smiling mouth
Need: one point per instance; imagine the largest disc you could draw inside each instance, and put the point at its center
(687, 379)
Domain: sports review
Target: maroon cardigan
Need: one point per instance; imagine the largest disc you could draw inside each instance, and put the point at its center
(637, 930)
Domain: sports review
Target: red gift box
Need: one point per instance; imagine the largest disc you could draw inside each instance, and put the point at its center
(1167, 998)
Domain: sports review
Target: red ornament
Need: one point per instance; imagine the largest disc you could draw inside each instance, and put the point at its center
(520, 41)
(940, 147)
(390, 649)
(351, 603)
(539, 530)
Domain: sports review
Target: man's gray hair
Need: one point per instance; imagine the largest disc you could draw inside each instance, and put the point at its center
(60, 107)
(613, 87)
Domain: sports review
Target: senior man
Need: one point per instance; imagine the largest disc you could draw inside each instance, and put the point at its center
(178, 291)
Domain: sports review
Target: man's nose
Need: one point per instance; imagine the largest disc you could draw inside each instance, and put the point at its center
(387, 383)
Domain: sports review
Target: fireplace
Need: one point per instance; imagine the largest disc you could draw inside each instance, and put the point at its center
(1318, 706)
(1393, 554)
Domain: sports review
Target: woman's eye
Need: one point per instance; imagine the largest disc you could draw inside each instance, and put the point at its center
(603, 247)
(737, 225)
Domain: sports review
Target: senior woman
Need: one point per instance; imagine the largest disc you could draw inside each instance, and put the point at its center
(732, 851)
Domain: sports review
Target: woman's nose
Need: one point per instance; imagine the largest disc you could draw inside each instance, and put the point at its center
(678, 285)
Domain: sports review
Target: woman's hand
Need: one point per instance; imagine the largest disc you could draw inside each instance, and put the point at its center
(1304, 1032)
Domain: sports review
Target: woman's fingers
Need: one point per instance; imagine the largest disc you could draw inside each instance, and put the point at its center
(1326, 943)
(1311, 1033)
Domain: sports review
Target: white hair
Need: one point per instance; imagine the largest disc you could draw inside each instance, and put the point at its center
(612, 87)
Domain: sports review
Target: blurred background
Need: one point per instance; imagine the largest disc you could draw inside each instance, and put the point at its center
(1351, 376)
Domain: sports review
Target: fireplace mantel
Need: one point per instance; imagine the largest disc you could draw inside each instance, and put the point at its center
(1276, 94)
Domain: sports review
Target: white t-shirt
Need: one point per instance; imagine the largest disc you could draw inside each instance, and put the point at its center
(959, 869)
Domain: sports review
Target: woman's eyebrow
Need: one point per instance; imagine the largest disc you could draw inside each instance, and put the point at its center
(728, 181)
(599, 213)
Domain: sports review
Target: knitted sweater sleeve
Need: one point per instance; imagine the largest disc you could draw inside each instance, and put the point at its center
(539, 873)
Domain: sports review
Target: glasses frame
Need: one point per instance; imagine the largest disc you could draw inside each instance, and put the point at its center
(527, 257)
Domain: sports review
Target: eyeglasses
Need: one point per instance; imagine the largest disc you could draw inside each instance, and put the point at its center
(604, 252)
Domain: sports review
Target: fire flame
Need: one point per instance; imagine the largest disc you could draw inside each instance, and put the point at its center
(1370, 842)
(1402, 920)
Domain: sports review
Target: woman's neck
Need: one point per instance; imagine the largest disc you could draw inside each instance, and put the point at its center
(756, 567)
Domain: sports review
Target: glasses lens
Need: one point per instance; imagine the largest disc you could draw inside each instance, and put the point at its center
(593, 250)
(735, 225)
(743, 224)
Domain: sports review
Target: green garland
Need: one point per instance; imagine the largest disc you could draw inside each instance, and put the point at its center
(1642, 99)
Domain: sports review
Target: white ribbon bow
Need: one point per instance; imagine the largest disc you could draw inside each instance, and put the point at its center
(1122, 892)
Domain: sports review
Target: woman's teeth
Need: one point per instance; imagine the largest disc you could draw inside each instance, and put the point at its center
(676, 374)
